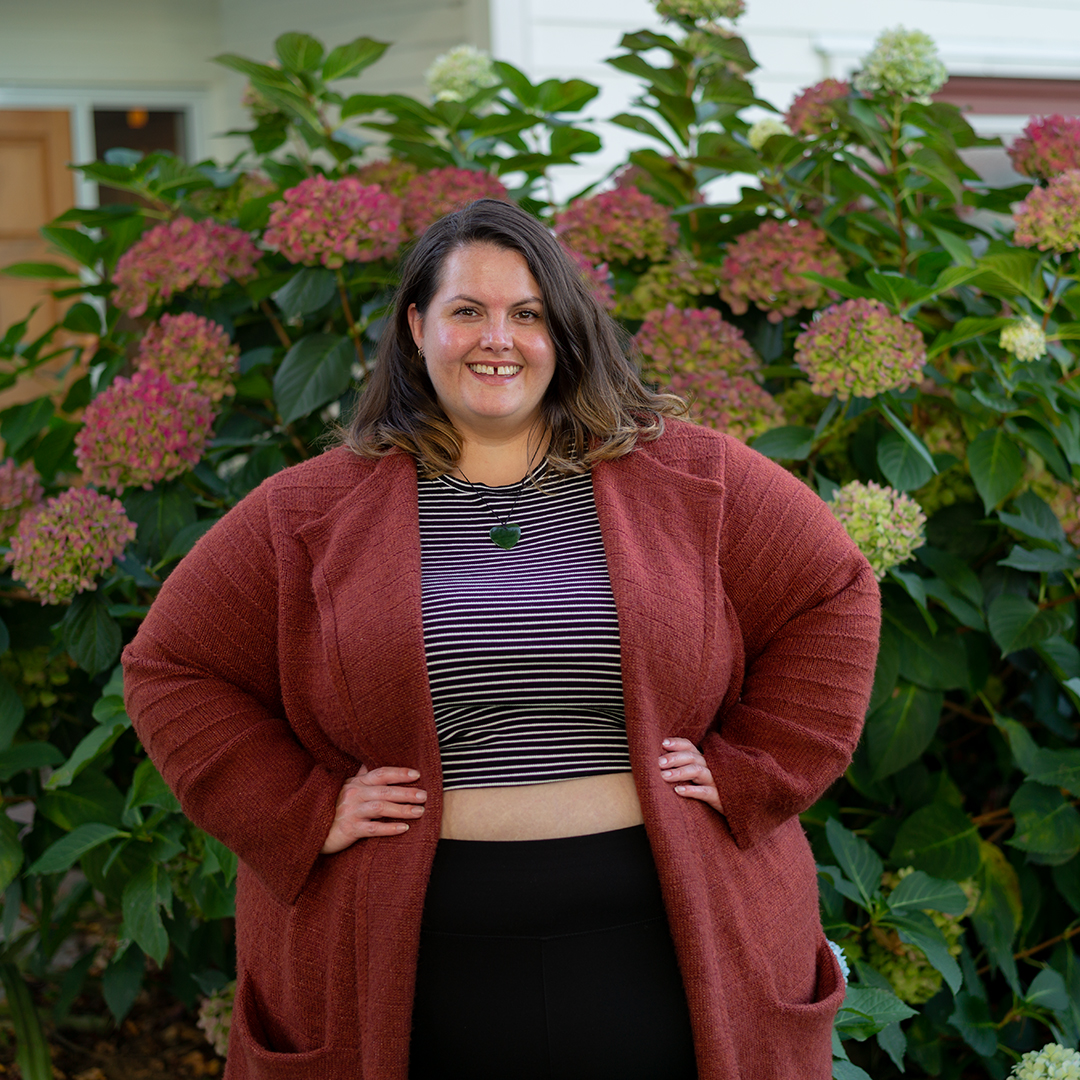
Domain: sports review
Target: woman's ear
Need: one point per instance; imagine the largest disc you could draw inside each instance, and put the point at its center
(416, 325)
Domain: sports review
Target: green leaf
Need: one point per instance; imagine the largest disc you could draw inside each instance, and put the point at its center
(347, 61)
(939, 839)
(567, 141)
(1018, 623)
(11, 852)
(95, 743)
(971, 1017)
(1023, 746)
(12, 712)
(72, 242)
(921, 892)
(643, 127)
(865, 1012)
(965, 330)
(91, 635)
(148, 789)
(996, 466)
(857, 859)
(1009, 272)
(909, 436)
(1047, 827)
(298, 52)
(28, 755)
(91, 796)
(960, 609)
(149, 890)
(316, 370)
(82, 319)
(918, 930)
(1039, 561)
(1057, 768)
(844, 1070)
(904, 467)
(934, 662)
(48, 271)
(954, 571)
(69, 849)
(32, 1050)
(900, 731)
(21, 423)
(122, 981)
(1048, 991)
(839, 285)
(517, 83)
(186, 538)
(227, 861)
(955, 246)
(1044, 445)
(159, 515)
(307, 291)
(887, 669)
(785, 443)
(930, 164)
(565, 95)
(1035, 519)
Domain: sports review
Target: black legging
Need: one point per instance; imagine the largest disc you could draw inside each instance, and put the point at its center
(549, 960)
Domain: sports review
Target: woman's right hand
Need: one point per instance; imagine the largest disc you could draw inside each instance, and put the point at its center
(369, 796)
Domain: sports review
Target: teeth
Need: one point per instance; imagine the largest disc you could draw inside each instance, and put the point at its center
(502, 369)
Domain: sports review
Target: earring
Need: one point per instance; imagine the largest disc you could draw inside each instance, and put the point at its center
(420, 353)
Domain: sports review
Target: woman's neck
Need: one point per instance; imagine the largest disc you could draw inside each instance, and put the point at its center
(497, 464)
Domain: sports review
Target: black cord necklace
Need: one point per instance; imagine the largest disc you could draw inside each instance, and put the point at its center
(506, 534)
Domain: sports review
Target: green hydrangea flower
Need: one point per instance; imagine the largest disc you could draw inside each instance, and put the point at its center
(1052, 1062)
(460, 73)
(1025, 339)
(904, 63)
(764, 129)
(700, 9)
(886, 524)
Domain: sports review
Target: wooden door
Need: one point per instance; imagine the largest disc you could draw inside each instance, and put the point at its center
(35, 186)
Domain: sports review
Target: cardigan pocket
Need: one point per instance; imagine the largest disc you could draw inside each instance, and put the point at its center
(252, 1058)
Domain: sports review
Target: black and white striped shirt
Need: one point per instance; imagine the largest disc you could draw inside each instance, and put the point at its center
(522, 645)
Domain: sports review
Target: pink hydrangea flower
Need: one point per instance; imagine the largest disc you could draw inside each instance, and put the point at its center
(689, 340)
(189, 348)
(1048, 146)
(859, 348)
(62, 548)
(391, 174)
(731, 403)
(813, 112)
(334, 222)
(175, 256)
(765, 268)
(142, 430)
(617, 226)
(435, 194)
(20, 491)
(886, 524)
(1049, 218)
(595, 277)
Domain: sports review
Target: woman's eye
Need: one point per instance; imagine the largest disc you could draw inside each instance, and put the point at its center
(465, 311)
(528, 316)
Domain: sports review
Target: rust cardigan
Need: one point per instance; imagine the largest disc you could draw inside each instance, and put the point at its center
(287, 648)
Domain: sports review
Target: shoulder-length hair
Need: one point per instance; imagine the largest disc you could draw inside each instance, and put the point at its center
(596, 406)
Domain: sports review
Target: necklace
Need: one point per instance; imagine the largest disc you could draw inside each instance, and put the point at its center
(505, 534)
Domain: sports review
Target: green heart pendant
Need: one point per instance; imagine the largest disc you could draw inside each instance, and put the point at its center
(506, 536)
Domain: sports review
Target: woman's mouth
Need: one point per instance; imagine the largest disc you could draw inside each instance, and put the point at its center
(494, 369)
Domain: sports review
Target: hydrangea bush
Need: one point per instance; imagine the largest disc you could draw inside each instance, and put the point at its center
(867, 316)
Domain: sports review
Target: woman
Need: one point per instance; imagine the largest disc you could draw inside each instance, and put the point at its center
(509, 707)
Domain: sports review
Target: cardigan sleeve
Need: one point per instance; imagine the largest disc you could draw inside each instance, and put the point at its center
(809, 610)
(201, 686)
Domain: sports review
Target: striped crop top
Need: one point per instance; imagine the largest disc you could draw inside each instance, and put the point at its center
(522, 645)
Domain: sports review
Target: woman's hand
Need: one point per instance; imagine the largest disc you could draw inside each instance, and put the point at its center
(367, 797)
(682, 765)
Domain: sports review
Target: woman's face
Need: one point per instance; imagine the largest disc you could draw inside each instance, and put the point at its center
(486, 343)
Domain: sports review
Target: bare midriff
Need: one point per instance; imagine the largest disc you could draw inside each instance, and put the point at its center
(588, 804)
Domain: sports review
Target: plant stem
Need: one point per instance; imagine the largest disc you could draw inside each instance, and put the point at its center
(897, 202)
(1025, 953)
(268, 311)
(354, 333)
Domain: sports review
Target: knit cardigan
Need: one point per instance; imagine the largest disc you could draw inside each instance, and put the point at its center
(287, 649)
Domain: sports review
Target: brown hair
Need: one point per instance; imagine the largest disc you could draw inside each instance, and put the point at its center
(595, 406)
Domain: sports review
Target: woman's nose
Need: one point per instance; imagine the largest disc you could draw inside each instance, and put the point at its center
(497, 335)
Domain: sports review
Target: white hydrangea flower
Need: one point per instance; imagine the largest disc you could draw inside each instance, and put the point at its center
(699, 9)
(460, 73)
(1052, 1062)
(841, 959)
(764, 129)
(1025, 339)
(902, 62)
(215, 1017)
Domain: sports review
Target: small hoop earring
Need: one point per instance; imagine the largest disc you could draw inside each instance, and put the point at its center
(420, 353)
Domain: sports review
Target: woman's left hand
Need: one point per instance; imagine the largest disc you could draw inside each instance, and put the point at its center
(682, 766)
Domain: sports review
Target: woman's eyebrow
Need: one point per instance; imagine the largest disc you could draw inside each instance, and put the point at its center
(480, 303)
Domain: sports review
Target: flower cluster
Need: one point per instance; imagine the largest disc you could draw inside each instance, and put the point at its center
(761, 131)
(766, 268)
(20, 491)
(142, 430)
(700, 9)
(618, 226)
(1048, 146)
(731, 403)
(860, 349)
(1049, 218)
(215, 1017)
(813, 112)
(841, 959)
(676, 282)
(692, 340)
(904, 63)
(391, 174)
(72, 540)
(173, 257)
(189, 348)
(334, 222)
(595, 278)
(459, 74)
(431, 195)
(1052, 1062)
(886, 524)
(1025, 339)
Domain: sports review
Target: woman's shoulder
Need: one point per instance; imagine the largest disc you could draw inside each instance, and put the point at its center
(700, 451)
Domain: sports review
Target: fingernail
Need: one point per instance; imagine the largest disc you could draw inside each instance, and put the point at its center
(679, 788)
(413, 774)
(402, 826)
(421, 796)
(667, 742)
(666, 775)
(416, 809)
(663, 761)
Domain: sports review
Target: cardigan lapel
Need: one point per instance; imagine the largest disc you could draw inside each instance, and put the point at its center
(365, 555)
(661, 530)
